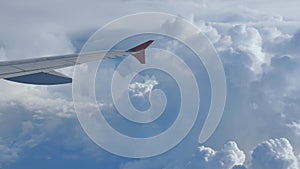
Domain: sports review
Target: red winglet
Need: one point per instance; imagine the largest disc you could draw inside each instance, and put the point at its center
(140, 56)
(141, 46)
(139, 51)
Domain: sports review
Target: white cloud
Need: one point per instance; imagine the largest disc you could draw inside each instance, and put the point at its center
(274, 154)
(267, 103)
(36, 99)
(141, 89)
(295, 127)
(28, 116)
(210, 31)
(229, 156)
(248, 40)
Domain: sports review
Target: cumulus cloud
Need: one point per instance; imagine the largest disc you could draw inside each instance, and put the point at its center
(141, 89)
(38, 100)
(30, 113)
(274, 154)
(295, 127)
(204, 157)
(248, 41)
(261, 73)
(229, 156)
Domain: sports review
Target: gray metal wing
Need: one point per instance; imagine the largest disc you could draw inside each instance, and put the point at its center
(41, 71)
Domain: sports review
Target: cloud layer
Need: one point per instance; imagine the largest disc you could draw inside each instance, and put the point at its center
(257, 42)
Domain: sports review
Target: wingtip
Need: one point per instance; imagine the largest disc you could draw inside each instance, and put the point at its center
(140, 56)
(139, 51)
(142, 46)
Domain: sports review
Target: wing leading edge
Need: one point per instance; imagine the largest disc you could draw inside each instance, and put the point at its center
(41, 71)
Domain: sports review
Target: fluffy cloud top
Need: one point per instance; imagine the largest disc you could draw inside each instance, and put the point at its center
(274, 154)
(229, 156)
(270, 154)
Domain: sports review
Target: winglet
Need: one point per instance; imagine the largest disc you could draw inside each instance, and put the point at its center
(139, 51)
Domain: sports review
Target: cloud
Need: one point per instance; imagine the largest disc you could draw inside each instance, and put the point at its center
(37, 99)
(229, 156)
(248, 41)
(295, 127)
(257, 42)
(141, 89)
(274, 154)
(204, 157)
(262, 84)
(28, 116)
(7, 154)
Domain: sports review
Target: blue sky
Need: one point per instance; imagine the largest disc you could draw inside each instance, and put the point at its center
(257, 41)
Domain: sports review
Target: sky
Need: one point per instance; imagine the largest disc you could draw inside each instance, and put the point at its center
(257, 42)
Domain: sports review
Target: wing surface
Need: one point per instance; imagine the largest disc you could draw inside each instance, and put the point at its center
(41, 71)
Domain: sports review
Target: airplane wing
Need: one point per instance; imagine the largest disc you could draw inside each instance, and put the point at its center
(41, 71)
